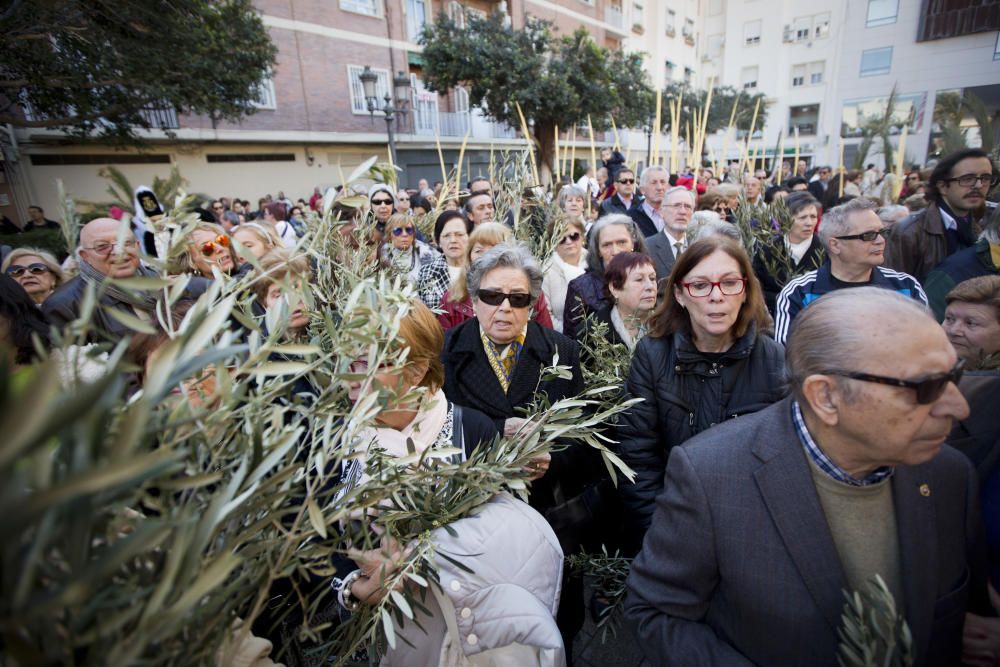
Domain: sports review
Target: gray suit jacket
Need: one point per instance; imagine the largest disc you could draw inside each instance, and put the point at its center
(739, 566)
(660, 248)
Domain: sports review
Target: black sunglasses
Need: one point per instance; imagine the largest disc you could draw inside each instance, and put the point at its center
(381, 202)
(36, 269)
(495, 298)
(571, 238)
(928, 390)
(867, 237)
(399, 231)
(627, 181)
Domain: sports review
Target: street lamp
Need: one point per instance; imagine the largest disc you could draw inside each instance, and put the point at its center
(390, 107)
(649, 138)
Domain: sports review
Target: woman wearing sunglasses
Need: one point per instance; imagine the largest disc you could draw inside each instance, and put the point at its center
(707, 358)
(208, 248)
(569, 261)
(36, 271)
(403, 254)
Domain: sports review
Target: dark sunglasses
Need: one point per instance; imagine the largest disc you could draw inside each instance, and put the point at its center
(572, 237)
(400, 231)
(16, 270)
(209, 248)
(381, 202)
(626, 181)
(928, 390)
(867, 237)
(494, 298)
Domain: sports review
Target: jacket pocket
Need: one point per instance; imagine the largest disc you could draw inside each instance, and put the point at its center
(955, 601)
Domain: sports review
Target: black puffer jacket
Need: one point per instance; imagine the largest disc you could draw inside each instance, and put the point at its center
(686, 392)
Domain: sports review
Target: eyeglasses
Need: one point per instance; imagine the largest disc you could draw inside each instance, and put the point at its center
(700, 289)
(36, 269)
(381, 202)
(680, 205)
(626, 181)
(209, 248)
(928, 389)
(867, 237)
(105, 249)
(572, 238)
(404, 199)
(972, 180)
(495, 298)
(217, 208)
(400, 231)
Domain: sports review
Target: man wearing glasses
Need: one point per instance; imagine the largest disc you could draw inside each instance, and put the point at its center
(854, 239)
(957, 190)
(106, 252)
(766, 521)
(666, 246)
(623, 198)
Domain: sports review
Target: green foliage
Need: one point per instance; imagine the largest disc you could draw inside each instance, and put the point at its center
(609, 575)
(196, 56)
(122, 192)
(763, 227)
(873, 632)
(43, 239)
(556, 81)
(723, 100)
(951, 109)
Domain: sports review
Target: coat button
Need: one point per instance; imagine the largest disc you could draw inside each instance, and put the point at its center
(472, 640)
(466, 612)
(455, 586)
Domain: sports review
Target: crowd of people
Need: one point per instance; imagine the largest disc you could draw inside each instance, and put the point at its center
(798, 375)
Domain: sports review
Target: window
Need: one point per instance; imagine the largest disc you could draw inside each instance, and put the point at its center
(858, 113)
(816, 71)
(265, 95)
(358, 104)
(461, 100)
(416, 18)
(821, 25)
(671, 25)
(366, 7)
(688, 75)
(876, 61)
(798, 76)
(748, 77)
(713, 46)
(805, 118)
(802, 28)
(688, 30)
(668, 71)
(751, 32)
(457, 14)
(881, 12)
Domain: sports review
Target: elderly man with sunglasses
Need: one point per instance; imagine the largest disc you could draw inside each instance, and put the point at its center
(107, 252)
(854, 238)
(766, 521)
(957, 190)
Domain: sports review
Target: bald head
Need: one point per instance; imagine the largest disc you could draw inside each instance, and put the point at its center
(99, 247)
(98, 227)
(853, 328)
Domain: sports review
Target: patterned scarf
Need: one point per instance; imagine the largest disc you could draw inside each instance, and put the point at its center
(144, 301)
(503, 363)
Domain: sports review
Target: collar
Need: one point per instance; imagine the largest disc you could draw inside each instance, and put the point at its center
(654, 215)
(824, 463)
(947, 217)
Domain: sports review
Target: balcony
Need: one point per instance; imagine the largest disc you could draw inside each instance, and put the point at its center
(429, 122)
(613, 17)
(161, 118)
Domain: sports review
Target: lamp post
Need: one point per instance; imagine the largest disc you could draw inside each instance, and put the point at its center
(649, 139)
(392, 104)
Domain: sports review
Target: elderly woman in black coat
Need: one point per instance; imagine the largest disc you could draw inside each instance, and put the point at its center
(609, 236)
(493, 364)
(795, 251)
(705, 359)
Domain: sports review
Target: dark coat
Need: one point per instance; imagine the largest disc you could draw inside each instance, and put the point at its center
(739, 567)
(918, 243)
(645, 224)
(614, 204)
(469, 381)
(603, 315)
(660, 248)
(584, 295)
(685, 392)
(965, 264)
(775, 254)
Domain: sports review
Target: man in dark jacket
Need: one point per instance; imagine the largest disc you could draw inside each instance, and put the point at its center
(654, 183)
(767, 520)
(982, 259)
(624, 197)
(957, 190)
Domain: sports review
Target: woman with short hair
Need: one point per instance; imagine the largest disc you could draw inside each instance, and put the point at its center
(36, 270)
(630, 281)
(276, 214)
(796, 251)
(451, 234)
(706, 358)
(568, 261)
(972, 321)
(404, 254)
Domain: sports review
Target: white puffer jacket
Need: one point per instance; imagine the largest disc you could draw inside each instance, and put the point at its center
(502, 614)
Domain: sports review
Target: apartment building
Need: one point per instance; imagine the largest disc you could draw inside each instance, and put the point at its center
(312, 125)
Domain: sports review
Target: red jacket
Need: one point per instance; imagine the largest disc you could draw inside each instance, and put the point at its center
(457, 312)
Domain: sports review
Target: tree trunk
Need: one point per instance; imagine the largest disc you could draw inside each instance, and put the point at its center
(544, 151)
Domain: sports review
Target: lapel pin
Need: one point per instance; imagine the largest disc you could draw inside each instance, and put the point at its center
(925, 490)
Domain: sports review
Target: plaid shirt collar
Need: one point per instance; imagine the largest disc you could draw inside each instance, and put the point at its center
(824, 463)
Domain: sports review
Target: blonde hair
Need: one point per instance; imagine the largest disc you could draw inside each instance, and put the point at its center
(47, 259)
(487, 234)
(276, 266)
(264, 231)
(184, 262)
(420, 331)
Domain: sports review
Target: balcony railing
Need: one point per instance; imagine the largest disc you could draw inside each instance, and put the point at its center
(429, 122)
(613, 16)
(162, 118)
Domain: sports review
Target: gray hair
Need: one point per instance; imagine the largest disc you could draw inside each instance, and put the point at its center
(680, 188)
(507, 255)
(888, 214)
(232, 217)
(991, 229)
(836, 221)
(568, 191)
(594, 262)
(704, 226)
(830, 332)
(649, 171)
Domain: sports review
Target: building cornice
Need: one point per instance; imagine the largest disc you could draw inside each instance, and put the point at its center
(336, 33)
